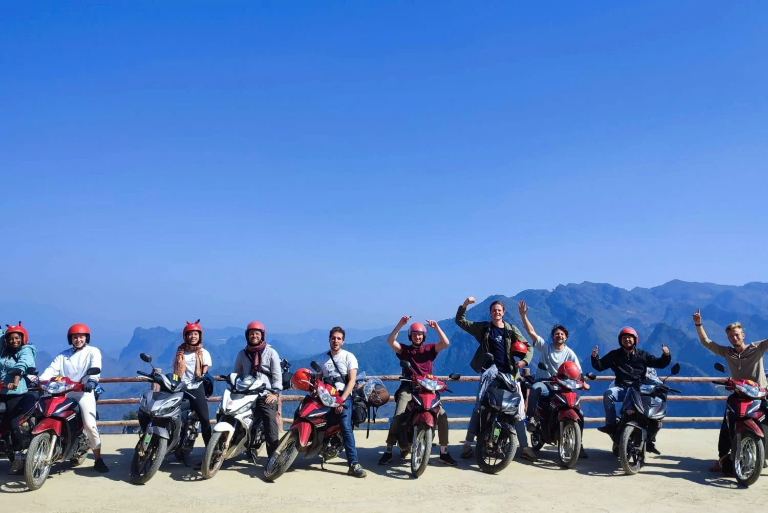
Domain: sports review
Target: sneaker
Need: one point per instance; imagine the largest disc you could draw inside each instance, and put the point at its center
(583, 454)
(385, 458)
(608, 429)
(528, 454)
(651, 447)
(198, 466)
(100, 466)
(466, 452)
(447, 459)
(17, 467)
(716, 467)
(356, 470)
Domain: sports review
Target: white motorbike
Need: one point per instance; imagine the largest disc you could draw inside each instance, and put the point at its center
(235, 429)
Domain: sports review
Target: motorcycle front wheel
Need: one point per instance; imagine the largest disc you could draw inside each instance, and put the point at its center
(37, 466)
(283, 457)
(421, 448)
(144, 467)
(569, 445)
(214, 455)
(631, 450)
(748, 458)
(493, 456)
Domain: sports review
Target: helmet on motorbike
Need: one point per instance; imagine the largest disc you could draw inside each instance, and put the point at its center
(417, 327)
(626, 330)
(301, 379)
(256, 325)
(208, 384)
(78, 329)
(518, 349)
(568, 370)
(193, 326)
(17, 329)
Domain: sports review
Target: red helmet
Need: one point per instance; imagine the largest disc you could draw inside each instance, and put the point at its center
(569, 370)
(415, 328)
(78, 329)
(301, 379)
(518, 349)
(256, 325)
(193, 326)
(18, 329)
(626, 330)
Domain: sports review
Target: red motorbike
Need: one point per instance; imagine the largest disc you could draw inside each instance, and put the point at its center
(418, 429)
(26, 422)
(315, 430)
(745, 411)
(560, 421)
(59, 433)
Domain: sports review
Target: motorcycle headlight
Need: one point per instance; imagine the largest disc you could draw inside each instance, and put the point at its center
(244, 408)
(647, 389)
(751, 391)
(168, 406)
(326, 398)
(428, 384)
(58, 387)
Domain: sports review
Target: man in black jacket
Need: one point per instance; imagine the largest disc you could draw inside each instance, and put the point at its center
(629, 365)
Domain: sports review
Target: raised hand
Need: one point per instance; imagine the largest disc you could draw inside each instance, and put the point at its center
(469, 301)
(594, 352)
(404, 320)
(522, 307)
(697, 316)
(432, 324)
(664, 349)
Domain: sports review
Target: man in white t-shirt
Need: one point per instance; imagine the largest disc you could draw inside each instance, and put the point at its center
(340, 369)
(552, 355)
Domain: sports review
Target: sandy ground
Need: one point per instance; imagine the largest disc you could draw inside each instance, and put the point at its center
(676, 480)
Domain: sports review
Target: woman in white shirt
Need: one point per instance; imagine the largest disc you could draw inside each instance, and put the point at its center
(73, 364)
(191, 361)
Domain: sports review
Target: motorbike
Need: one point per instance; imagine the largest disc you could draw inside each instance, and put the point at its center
(315, 429)
(26, 423)
(167, 423)
(745, 411)
(58, 434)
(501, 404)
(644, 407)
(417, 431)
(560, 420)
(235, 429)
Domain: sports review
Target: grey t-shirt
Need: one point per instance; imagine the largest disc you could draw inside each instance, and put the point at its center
(747, 364)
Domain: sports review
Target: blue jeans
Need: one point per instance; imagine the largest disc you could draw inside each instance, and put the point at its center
(610, 397)
(538, 390)
(347, 435)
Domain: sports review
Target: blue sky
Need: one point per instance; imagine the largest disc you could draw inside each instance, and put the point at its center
(320, 163)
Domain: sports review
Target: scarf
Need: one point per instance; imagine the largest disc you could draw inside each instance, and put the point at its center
(180, 366)
(254, 354)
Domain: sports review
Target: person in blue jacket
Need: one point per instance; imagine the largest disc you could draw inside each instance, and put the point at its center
(16, 353)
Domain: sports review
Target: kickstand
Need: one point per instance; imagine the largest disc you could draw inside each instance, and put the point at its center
(322, 463)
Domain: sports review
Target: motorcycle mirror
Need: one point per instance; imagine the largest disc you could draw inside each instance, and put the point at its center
(542, 366)
(455, 376)
(316, 367)
(405, 365)
(591, 375)
(146, 357)
(31, 371)
(720, 367)
(93, 371)
(675, 369)
(488, 359)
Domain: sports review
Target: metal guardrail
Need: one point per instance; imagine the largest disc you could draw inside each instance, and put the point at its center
(445, 399)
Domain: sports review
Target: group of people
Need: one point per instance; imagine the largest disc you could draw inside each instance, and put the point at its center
(511, 353)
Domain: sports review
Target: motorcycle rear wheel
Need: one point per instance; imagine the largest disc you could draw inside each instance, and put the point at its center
(748, 458)
(569, 444)
(143, 468)
(79, 457)
(502, 451)
(421, 448)
(214, 455)
(283, 457)
(631, 450)
(36, 469)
